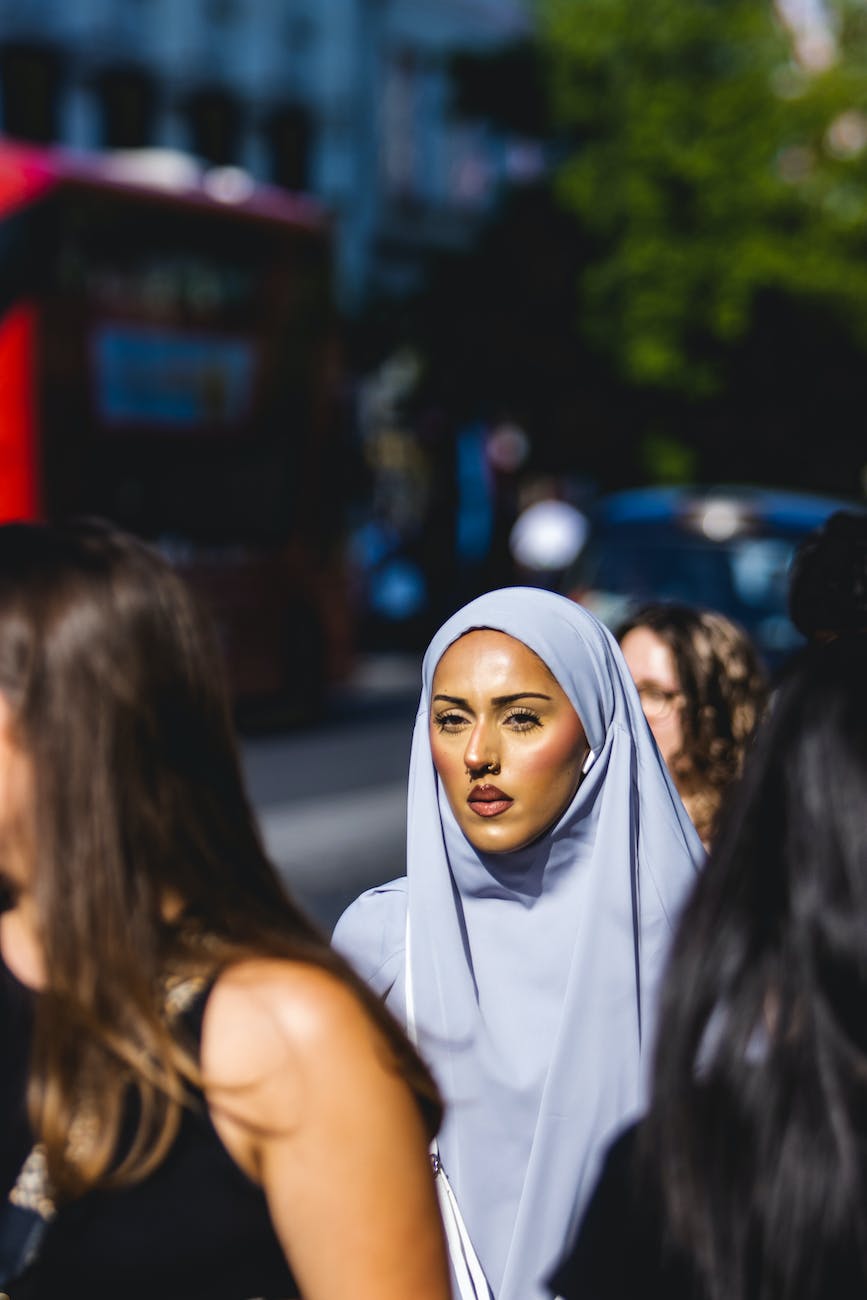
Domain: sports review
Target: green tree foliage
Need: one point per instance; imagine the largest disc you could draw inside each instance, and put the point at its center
(714, 156)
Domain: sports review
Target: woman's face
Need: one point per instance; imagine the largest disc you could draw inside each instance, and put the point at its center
(16, 794)
(506, 743)
(651, 663)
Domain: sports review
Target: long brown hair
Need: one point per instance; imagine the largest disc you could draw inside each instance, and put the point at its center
(115, 684)
(725, 692)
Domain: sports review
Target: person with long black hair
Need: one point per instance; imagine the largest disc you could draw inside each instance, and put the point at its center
(747, 1179)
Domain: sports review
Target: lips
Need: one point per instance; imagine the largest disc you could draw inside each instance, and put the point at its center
(488, 800)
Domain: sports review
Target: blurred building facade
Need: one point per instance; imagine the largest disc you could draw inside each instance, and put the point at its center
(349, 99)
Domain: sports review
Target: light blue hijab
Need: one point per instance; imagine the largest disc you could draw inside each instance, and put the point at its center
(535, 972)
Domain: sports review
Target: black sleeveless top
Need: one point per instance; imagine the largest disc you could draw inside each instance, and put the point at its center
(196, 1229)
(622, 1248)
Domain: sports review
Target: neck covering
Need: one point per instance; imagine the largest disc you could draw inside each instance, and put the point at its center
(535, 971)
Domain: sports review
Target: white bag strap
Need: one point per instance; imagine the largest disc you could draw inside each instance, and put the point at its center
(468, 1272)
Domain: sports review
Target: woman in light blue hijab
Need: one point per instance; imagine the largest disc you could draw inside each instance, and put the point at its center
(540, 910)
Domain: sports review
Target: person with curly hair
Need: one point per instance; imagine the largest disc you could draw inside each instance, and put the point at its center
(703, 690)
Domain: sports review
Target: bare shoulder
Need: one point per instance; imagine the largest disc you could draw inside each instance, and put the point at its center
(292, 1020)
(317, 1104)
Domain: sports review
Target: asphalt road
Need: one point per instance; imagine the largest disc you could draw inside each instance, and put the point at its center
(331, 799)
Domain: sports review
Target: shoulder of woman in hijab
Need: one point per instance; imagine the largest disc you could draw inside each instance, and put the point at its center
(371, 934)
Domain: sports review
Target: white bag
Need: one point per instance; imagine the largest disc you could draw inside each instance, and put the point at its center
(468, 1272)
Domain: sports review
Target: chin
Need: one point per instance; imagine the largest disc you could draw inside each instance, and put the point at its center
(486, 843)
(500, 841)
(497, 845)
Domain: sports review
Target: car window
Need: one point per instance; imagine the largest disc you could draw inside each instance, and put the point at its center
(648, 546)
(678, 570)
(760, 571)
(745, 578)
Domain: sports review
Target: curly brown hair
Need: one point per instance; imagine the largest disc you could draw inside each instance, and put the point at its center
(725, 691)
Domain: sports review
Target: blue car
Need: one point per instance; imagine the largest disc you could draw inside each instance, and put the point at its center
(722, 548)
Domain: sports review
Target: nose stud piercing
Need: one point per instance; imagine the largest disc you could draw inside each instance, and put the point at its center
(492, 768)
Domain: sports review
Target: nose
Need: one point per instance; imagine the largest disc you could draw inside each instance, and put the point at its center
(482, 752)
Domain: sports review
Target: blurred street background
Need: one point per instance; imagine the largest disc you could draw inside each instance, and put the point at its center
(331, 798)
(357, 308)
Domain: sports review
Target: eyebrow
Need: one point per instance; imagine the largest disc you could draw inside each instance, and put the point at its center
(497, 700)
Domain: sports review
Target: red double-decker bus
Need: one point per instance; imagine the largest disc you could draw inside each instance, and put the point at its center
(168, 361)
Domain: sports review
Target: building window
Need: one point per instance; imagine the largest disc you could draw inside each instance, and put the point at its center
(289, 135)
(215, 126)
(300, 33)
(127, 105)
(220, 12)
(30, 85)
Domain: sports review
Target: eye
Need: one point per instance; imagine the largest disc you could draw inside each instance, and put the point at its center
(652, 693)
(523, 720)
(449, 721)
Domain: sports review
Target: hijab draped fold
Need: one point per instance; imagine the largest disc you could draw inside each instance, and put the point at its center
(535, 972)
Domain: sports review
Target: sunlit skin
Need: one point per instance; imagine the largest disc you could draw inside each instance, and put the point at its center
(651, 664)
(506, 742)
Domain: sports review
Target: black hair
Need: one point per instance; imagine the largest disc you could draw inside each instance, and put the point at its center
(759, 1102)
(828, 580)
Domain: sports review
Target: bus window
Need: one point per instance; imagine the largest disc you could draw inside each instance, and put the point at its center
(174, 371)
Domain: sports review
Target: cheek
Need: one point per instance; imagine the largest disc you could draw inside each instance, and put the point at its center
(559, 753)
(550, 777)
(668, 735)
(447, 759)
(14, 790)
(16, 829)
(557, 762)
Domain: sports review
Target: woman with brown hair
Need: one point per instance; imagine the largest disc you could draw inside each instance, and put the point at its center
(198, 1098)
(703, 691)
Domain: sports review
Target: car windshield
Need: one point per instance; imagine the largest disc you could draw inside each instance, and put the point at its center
(745, 578)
